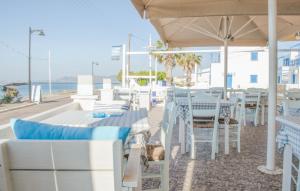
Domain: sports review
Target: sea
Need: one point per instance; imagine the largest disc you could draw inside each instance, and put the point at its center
(56, 88)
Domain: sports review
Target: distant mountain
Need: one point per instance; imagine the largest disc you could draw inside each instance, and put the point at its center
(98, 79)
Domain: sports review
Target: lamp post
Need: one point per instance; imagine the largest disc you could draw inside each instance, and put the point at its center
(94, 63)
(40, 33)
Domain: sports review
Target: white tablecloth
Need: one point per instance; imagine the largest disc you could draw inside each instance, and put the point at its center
(137, 120)
(289, 133)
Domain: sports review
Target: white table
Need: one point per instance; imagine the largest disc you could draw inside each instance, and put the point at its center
(183, 110)
(137, 120)
(289, 138)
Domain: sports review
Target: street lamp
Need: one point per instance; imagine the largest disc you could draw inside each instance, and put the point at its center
(94, 63)
(39, 32)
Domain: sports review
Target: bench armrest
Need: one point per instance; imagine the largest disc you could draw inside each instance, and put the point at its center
(132, 173)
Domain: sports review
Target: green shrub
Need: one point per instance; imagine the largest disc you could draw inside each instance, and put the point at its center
(143, 81)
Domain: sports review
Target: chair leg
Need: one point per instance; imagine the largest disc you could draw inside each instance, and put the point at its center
(244, 117)
(193, 148)
(165, 176)
(217, 144)
(239, 138)
(256, 117)
(213, 148)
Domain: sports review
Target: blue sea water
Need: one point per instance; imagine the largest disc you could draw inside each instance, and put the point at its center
(56, 88)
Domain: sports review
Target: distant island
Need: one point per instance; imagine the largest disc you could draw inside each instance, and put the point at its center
(97, 79)
(66, 79)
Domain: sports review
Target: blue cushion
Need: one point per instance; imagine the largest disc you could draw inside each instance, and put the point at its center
(105, 115)
(41, 131)
(99, 115)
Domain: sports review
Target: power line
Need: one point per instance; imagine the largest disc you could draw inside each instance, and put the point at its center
(16, 51)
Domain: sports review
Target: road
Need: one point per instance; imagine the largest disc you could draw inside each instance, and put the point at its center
(32, 110)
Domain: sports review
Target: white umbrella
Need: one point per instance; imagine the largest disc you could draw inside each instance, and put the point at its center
(241, 22)
(201, 8)
(223, 30)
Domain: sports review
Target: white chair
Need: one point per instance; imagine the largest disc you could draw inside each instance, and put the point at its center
(251, 105)
(159, 154)
(291, 107)
(27, 165)
(234, 123)
(293, 94)
(217, 92)
(291, 170)
(203, 124)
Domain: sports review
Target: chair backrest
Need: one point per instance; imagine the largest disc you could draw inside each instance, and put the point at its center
(201, 106)
(293, 95)
(291, 107)
(251, 98)
(205, 96)
(180, 92)
(60, 165)
(167, 128)
(217, 92)
(85, 85)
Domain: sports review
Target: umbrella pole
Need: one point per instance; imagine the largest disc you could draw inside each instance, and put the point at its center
(270, 167)
(123, 66)
(225, 67)
(225, 56)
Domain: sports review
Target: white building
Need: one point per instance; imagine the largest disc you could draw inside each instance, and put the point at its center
(247, 67)
(289, 68)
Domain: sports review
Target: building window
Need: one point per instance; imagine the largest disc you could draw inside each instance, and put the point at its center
(294, 79)
(286, 62)
(253, 79)
(215, 57)
(297, 62)
(254, 56)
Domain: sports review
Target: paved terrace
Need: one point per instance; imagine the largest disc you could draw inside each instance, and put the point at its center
(226, 173)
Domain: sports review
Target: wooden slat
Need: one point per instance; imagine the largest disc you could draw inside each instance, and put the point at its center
(5, 183)
(132, 174)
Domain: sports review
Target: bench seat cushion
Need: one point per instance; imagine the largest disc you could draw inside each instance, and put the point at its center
(41, 131)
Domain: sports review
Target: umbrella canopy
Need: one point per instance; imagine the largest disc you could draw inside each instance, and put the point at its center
(210, 31)
(199, 8)
(241, 22)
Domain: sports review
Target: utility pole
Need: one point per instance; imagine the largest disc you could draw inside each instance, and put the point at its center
(150, 59)
(49, 73)
(129, 49)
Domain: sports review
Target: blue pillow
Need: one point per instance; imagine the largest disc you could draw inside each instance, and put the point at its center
(105, 115)
(34, 130)
(99, 115)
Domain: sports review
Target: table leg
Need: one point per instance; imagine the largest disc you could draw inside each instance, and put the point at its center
(226, 141)
(287, 168)
(182, 135)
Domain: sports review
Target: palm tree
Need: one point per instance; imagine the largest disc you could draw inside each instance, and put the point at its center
(188, 62)
(168, 60)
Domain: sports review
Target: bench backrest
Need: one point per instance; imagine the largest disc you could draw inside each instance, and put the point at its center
(60, 165)
(85, 85)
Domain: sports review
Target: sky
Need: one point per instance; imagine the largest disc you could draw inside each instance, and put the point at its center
(78, 32)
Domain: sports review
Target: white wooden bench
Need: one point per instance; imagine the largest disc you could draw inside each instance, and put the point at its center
(68, 166)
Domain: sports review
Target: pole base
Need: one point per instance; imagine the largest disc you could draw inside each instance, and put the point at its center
(263, 169)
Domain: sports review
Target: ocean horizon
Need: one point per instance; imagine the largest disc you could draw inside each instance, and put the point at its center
(57, 87)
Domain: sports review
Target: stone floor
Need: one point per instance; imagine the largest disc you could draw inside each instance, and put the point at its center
(236, 171)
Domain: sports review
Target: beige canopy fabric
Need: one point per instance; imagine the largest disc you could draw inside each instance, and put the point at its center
(232, 22)
(209, 31)
(198, 8)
